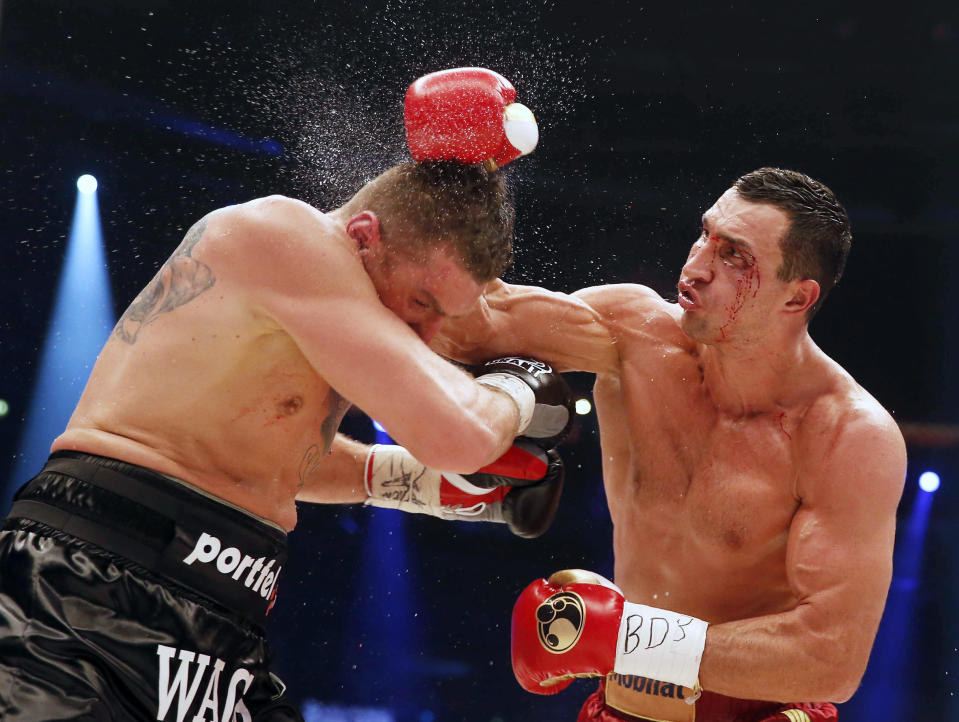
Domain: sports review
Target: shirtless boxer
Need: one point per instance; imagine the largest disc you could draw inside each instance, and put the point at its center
(752, 483)
(137, 568)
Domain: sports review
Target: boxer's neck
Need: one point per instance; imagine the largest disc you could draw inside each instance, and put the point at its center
(746, 380)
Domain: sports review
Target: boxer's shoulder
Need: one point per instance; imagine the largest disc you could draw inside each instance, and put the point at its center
(274, 216)
(845, 427)
(626, 302)
(275, 205)
(279, 240)
(838, 401)
(638, 314)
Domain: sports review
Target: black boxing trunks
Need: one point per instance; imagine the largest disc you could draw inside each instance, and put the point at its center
(709, 707)
(126, 594)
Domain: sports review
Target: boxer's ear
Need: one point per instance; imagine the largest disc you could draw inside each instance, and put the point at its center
(805, 294)
(364, 229)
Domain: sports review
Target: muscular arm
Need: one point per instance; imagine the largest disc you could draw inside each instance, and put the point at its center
(302, 276)
(839, 562)
(569, 331)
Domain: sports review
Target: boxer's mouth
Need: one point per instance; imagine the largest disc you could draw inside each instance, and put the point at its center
(687, 296)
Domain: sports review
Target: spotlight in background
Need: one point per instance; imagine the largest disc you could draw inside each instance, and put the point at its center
(929, 481)
(888, 687)
(4, 408)
(385, 617)
(583, 406)
(87, 184)
(80, 324)
(316, 711)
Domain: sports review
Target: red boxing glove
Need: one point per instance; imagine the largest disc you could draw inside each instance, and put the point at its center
(579, 624)
(468, 115)
(563, 629)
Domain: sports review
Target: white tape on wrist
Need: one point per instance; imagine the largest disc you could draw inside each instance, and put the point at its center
(396, 480)
(659, 644)
(516, 389)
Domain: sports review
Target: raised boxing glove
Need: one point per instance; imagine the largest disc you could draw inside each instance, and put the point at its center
(468, 115)
(521, 489)
(551, 413)
(579, 624)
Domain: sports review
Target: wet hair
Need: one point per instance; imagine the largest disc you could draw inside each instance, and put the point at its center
(426, 205)
(817, 242)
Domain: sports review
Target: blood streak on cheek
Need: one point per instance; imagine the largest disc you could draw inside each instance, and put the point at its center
(782, 425)
(744, 285)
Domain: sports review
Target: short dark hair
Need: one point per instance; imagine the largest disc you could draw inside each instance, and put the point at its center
(425, 205)
(818, 239)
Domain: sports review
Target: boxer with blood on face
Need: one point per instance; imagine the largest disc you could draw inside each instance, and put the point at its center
(137, 568)
(751, 481)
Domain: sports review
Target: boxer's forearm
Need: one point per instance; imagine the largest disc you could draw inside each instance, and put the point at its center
(787, 657)
(339, 477)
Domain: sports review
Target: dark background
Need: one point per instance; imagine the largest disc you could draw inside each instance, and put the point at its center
(647, 113)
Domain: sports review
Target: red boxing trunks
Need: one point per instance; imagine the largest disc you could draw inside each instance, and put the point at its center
(714, 708)
(127, 594)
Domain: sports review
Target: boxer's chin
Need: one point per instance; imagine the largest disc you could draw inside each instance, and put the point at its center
(696, 327)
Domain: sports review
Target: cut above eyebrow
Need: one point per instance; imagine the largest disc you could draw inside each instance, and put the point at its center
(732, 240)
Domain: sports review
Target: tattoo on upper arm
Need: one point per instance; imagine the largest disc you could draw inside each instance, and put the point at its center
(314, 455)
(180, 280)
(338, 407)
(310, 463)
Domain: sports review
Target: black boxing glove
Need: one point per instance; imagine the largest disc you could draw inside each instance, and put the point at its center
(551, 416)
(520, 489)
(529, 510)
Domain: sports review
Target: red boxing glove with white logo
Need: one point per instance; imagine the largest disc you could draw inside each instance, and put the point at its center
(468, 115)
(579, 624)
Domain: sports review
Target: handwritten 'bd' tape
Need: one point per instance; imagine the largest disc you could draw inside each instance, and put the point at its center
(660, 644)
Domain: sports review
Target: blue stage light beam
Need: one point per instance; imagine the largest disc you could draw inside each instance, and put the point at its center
(888, 687)
(79, 325)
(381, 665)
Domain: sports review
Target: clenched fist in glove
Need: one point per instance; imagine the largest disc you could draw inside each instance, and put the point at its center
(579, 624)
(468, 115)
(520, 489)
(547, 404)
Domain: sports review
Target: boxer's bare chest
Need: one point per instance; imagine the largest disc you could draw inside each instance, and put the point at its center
(692, 491)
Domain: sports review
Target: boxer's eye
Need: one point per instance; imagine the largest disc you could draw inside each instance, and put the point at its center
(732, 255)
